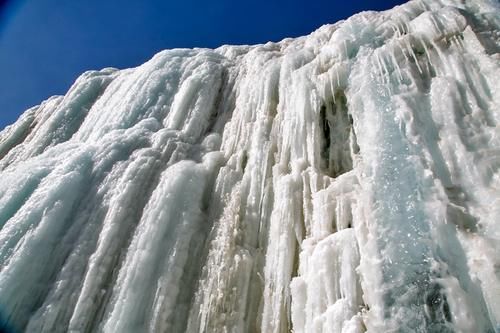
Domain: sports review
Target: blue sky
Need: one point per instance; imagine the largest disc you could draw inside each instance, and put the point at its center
(46, 44)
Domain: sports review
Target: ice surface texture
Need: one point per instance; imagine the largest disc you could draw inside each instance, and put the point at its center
(346, 181)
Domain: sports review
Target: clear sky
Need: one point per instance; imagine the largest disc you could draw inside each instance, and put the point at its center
(46, 44)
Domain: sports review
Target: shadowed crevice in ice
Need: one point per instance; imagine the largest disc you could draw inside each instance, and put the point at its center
(339, 140)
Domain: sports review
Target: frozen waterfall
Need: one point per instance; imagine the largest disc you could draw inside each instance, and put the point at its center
(346, 181)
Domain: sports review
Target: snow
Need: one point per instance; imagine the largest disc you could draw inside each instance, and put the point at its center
(346, 181)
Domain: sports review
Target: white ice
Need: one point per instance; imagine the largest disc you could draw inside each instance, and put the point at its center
(346, 181)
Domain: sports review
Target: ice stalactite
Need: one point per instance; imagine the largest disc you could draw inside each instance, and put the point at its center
(346, 181)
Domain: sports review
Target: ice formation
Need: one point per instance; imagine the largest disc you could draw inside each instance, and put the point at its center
(346, 181)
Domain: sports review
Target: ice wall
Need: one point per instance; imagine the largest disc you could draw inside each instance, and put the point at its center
(346, 181)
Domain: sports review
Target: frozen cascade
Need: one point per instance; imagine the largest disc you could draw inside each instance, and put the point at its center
(346, 181)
